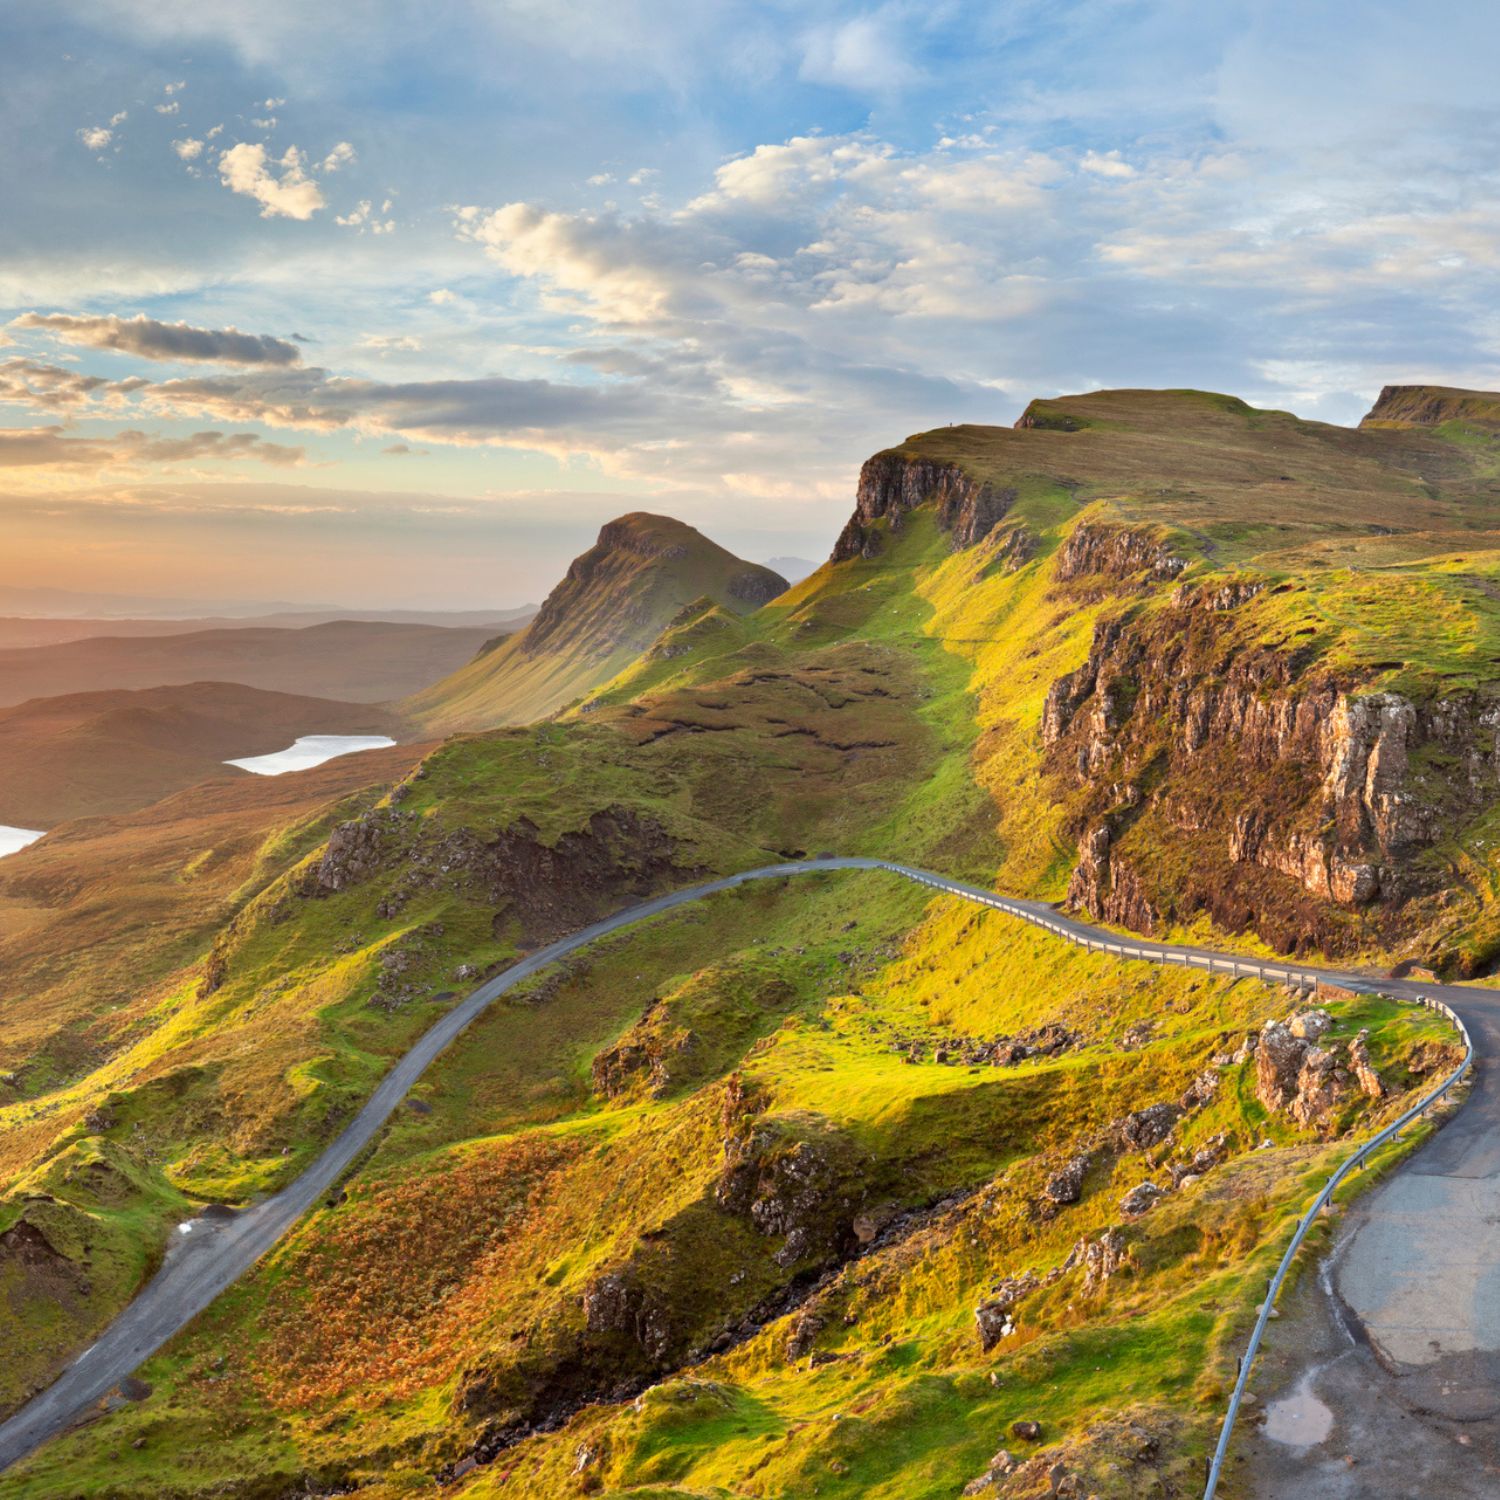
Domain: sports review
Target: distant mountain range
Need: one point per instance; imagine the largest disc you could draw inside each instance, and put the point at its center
(41, 603)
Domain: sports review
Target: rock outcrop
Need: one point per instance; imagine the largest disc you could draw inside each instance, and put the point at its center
(892, 484)
(1302, 1078)
(1293, 794)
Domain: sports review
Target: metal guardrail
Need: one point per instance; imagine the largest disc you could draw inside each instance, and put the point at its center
(1247, 1360)
(1245, 969)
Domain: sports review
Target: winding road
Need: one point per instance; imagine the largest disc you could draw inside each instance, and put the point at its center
(210, 1253)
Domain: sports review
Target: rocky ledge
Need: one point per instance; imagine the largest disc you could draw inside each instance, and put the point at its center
(893, 483)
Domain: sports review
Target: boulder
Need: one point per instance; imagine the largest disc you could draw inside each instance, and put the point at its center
(1066, 1184)
(1140, 1199)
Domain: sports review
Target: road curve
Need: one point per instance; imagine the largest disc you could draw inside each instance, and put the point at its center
(211, 1253)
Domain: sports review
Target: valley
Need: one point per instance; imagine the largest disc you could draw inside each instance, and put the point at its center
(827, 1183)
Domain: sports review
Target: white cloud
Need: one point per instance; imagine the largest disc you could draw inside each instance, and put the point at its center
(1106, 164)
(96, 137)
(390, 343)
(365, 217)
(642, 176)
(188, 149)
(863, 55)
(213, 134)
(342, 155)
(168, 109)
(175, 88)
(267, 124)
(442, 296)
(119, 118)
(292, 194)
(601, 179)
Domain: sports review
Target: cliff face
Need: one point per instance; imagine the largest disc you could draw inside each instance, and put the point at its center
(1432, 405)
(891, 484)
(1250, 783)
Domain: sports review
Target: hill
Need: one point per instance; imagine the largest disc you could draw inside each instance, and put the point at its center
(359, 661)
(614, 602)
(827, 1188)
(83, 754)
(44, 630)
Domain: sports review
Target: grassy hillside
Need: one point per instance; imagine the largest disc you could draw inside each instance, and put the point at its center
(713, 1209)
(83, 754)
(616, 599)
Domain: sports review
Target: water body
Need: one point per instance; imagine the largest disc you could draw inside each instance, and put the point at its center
(309, 751)
(14, 839)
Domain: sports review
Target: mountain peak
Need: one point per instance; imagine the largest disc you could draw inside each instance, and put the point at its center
(611, 605)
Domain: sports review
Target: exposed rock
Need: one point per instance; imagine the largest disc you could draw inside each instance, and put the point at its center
(1027, 1431)
(1100, 1259)
(1310, 1025)
(1278, 1061)
(993, 1316)
(1199, 1091)
(1144, 1128)
(757, 586)
(1066, 1184)
(891, 484)
(617, 1304)
(1115, 552)
(354, 851)
(1337, 792)
(1205, 1159)
(1140, 1199)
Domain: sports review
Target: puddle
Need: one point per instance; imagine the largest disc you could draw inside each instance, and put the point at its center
(309, 751)
(13, 840)
(1299, 1420)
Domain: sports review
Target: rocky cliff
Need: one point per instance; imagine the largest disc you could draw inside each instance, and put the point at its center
(1290, 795)
(893, 483)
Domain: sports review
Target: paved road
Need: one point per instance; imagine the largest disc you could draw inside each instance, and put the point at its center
(216, 1251)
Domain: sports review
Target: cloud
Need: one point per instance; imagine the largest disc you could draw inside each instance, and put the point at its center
(96, 137)
(188, 149)
(365, 217)
(441, 297)
(863, 54)
(53, 447)
(386, 343)
(1106, 164)
(175, 88)
(342, 155)
(147, 338)
(601, 179)
(246, 169)
(168, 109)
(43, 387)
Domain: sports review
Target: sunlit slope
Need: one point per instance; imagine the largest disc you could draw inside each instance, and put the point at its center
(1114, 658)
(615, 600)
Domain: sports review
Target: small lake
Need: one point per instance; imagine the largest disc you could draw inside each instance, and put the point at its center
(14, 839)
(311, 750)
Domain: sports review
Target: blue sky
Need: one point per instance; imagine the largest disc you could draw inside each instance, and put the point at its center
(505, 270)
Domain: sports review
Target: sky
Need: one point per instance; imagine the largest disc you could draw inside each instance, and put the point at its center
(386, 304)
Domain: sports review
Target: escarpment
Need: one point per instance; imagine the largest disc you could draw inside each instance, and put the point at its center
(891, 484)
(1250, 781)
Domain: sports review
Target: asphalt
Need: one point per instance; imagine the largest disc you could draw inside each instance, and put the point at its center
(213, 1251)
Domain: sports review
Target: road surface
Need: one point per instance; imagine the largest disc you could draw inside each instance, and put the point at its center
(210, 1253)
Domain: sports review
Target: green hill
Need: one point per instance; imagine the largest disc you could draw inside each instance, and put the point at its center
(742, 1201)
(614, 602)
